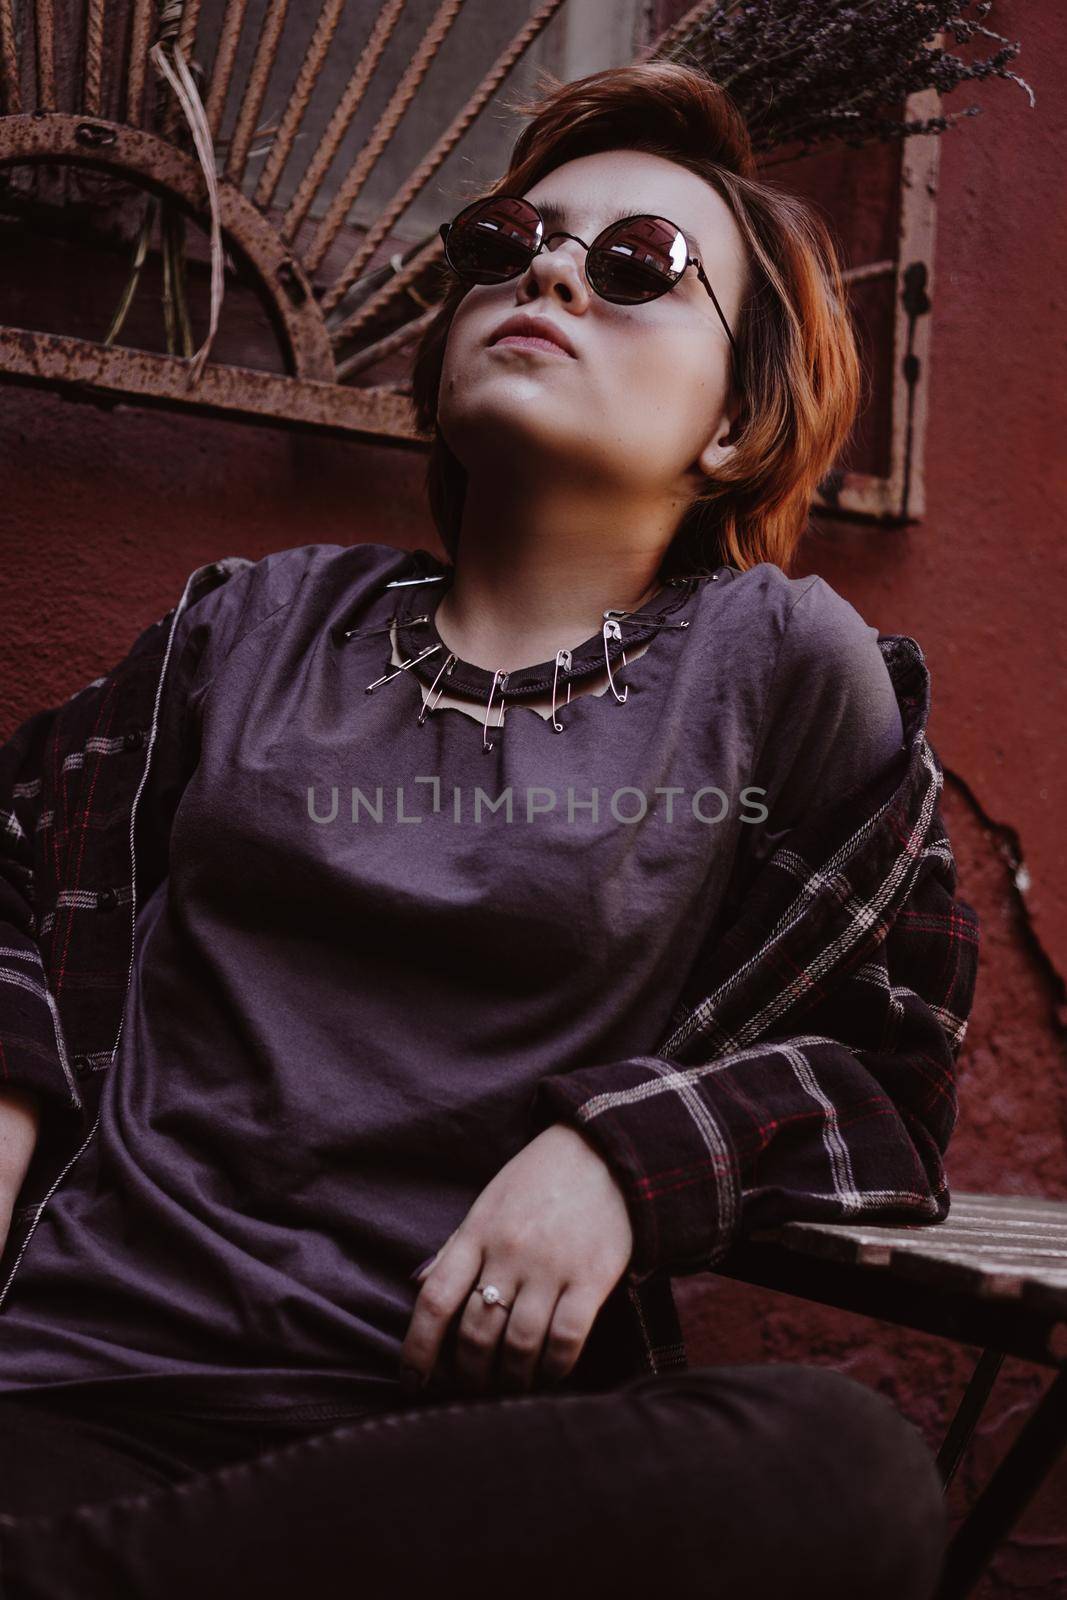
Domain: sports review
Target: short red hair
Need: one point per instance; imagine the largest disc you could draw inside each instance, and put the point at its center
(798, 362)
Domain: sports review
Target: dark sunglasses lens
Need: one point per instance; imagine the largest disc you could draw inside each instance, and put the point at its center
(493, 240)
(637, 260)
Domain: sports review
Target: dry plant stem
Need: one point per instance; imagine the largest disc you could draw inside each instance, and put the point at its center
(139, 256)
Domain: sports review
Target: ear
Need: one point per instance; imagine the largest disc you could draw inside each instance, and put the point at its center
(723, 441)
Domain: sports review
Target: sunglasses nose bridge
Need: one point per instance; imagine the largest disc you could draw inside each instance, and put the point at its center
(546, 248)
(561, 233)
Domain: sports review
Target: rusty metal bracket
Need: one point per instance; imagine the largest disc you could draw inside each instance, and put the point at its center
(82, 368)
(159, 167)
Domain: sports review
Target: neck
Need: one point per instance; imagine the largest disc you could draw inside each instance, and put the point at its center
(534, 575)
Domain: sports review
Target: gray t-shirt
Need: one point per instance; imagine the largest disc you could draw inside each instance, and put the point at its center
(355, 972)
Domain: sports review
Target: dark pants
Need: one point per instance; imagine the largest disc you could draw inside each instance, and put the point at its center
(769, 1482)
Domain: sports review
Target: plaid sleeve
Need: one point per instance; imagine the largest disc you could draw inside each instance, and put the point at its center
(42, 767)
(32, 1052)
(847, 1114)
(45, 799)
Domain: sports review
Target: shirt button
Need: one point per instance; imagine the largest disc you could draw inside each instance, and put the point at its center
(133, 739)
(106, 900)
(82, 1066)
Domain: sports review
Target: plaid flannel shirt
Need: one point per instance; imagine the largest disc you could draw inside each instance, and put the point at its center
(809, 1067)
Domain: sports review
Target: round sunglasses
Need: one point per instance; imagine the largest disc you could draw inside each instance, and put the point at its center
(629, 263)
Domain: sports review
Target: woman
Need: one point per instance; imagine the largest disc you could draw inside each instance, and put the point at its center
(385, 986)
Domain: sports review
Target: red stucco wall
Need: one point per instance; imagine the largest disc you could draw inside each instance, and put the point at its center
(103, 514)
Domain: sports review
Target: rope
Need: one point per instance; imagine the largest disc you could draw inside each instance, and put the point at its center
(188, 96)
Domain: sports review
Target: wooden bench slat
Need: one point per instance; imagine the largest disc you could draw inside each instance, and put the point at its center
(1013, 1228)
(1007, 1247)
(1000, 1206)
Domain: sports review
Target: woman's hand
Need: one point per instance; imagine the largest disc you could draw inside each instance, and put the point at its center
(20, 1117)
(552, 1232)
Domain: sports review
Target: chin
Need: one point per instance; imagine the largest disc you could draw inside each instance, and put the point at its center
(515, 423)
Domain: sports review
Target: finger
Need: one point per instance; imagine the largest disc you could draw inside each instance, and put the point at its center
(519, 1351)
(442, 1294)
(481, 1329)
(427, 1265)
(572, 1319)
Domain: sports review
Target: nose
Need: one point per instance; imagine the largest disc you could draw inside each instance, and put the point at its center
(559, 267)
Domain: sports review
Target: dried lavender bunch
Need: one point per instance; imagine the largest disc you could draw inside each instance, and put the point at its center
(808, 71)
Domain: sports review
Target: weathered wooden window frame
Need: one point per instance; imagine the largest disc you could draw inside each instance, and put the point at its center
(900, 496)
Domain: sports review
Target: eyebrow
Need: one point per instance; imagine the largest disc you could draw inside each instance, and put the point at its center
(555, 215)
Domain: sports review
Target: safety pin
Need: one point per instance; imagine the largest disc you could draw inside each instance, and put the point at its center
(400, 583)
(445, 669)
(354, 633)
(499, 680)
(563, 659)
(611, 630)
(389, 676)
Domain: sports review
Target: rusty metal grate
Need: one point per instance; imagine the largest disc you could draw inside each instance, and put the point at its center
(115, 87)
(292, 132)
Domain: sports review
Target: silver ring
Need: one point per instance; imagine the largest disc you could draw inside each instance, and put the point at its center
(491, 1295)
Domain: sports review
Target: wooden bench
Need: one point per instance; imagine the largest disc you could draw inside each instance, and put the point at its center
(993, 1274)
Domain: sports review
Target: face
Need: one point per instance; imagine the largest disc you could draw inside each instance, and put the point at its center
(641, 405)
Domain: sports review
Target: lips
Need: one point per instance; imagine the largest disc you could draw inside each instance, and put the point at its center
(524, 327)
